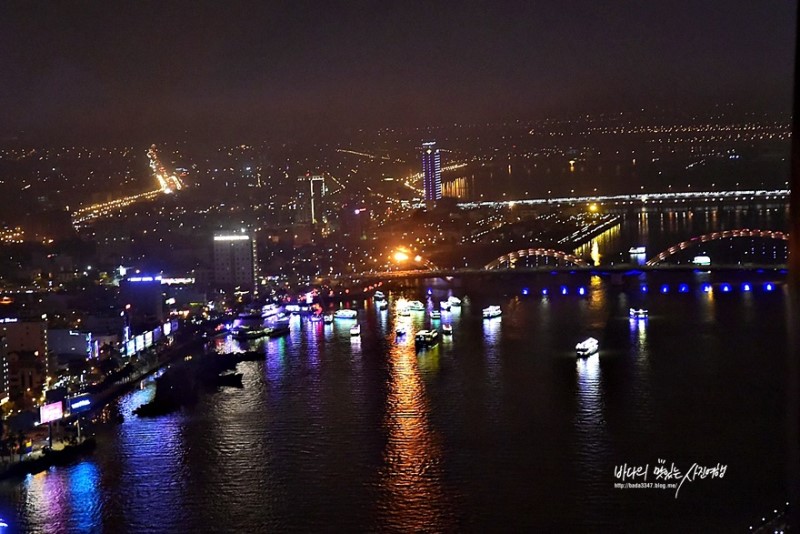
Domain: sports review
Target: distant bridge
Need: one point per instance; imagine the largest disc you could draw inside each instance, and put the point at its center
(643, 198)
(715, 236)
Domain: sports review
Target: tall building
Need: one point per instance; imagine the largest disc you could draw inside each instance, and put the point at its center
(311, 190)
(431, 171)
(235, 261)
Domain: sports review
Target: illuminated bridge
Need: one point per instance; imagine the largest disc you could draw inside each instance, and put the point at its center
(509, 260)
(645, 198)
(716, 236)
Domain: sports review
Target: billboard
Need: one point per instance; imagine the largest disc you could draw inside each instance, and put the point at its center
(148, 339)
(78, 404)
(167, 328)
(130, 348)
(51, 412)
(139, 342)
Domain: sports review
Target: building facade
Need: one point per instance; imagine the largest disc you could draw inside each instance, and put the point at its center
(431, 171)
(235, 261)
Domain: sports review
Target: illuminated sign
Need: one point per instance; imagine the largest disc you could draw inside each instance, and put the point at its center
(79, 404)
(139, 342)
(51, 412)
(130, 348)
(148, 339)
(144, 278)
(167, 329)
(8, 320)
(231, 238)
(170, 281)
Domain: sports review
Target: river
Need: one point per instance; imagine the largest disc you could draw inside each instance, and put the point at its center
(499, 428)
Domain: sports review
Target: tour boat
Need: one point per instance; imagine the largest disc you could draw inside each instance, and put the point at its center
(246, 332)
(587, 347)
(426, 338)
(416, 305)
(492, 311)
(641, 313)
(355, 330)
(345, 314)
(280, 329)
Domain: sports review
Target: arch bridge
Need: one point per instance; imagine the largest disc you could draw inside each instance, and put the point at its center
(512, 257)
(715, 236)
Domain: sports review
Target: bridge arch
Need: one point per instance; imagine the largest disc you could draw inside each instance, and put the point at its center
(727, 234)
(512, 257)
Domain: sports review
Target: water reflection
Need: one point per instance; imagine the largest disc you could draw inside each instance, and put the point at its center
(413, 498)
(590, 427)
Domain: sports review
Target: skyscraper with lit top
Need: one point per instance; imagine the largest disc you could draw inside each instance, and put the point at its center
(431, 171)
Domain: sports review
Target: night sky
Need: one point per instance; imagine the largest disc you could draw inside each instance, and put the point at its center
(111, 70)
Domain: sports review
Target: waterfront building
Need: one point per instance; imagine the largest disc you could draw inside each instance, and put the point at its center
(25, 353)
(235, 261)
(142, 299)
(431, 171)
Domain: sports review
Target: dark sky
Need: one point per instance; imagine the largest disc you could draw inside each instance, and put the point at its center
(138, 68)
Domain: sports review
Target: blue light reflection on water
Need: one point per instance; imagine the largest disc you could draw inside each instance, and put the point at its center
(504, 405)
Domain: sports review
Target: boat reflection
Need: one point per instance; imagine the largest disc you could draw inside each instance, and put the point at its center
(411, 478)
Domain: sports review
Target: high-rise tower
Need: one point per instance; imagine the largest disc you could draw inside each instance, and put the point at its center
(431, 171)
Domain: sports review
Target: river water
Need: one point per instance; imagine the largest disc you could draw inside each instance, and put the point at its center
(498, 428)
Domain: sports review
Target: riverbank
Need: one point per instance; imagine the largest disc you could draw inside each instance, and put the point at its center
(42, 458)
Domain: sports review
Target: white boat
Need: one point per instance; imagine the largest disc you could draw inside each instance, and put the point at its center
(454, 301)
(641, 313)
(587, 347)
(426, 338)
(445, 305)
(447, 330)
(345, 314)
(435, 314)
(492, 311)
(355, 330)
(416, 305)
